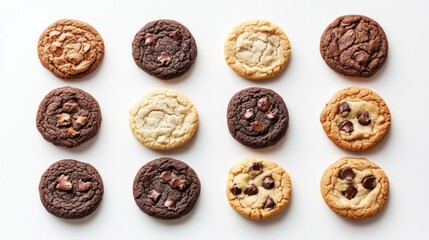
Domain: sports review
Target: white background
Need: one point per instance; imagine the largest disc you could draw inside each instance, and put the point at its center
(305, 152)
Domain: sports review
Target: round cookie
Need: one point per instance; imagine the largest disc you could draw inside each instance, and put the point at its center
(70, 49)
(164, 48)
(71, 189)
(164, 119)
(257, 117)
(354, 45)
(258, 188)
(356, 119)
(355, 188)
(166, 188)
(68, 117)
(257, 50)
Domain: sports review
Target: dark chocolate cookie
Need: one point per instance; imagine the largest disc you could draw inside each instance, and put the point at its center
(257, 117)
(354, 45)
(68, 117)
(164, 48)
(166, 188)
(71, 189)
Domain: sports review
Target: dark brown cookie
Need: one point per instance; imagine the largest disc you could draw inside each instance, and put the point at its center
(166, 188)
(68, 117)
(257, 117)
(354, 45)
(71, 189)
(164, 48)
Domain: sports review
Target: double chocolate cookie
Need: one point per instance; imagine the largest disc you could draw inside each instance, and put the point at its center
(164, 48)
(356, 119)
(257, 117)
(70, 49)
(71, 189)
(166, 188)
(355, 188)
(68, 117)
(354, 45)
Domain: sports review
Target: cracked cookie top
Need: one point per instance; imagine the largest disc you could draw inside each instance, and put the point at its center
(164, 119)
(257, 50)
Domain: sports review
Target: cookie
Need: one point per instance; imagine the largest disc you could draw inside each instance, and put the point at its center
(164, 48)
(257, 117)
(70, 49)
(257, 50)
(355, 188)
(68, 117)
(258, 188)
(164, 119)
(354, 45)
(71, 189)
(166, 188)
(356, 119)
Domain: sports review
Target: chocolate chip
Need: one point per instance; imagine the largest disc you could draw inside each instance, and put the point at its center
(272, 114)
(64, 183)
(344, 107)
(71, 107)
(364, 118)
(150, 39)
(263, 104)
(257, 126)
(251, 190)
(249, 113)
(170, 204)
(154, 195)
(164, 58)
(369, 182)
(83, 186)
(268, 182)
(166, 176)
(180, 184)
(350, 192)
(347, 174)
(269, 203)
(346, 126)
(256, 166)
(235, 190)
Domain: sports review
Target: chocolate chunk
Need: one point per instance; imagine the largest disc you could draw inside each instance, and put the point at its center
(150, 39)
(344, 107)
(269, 203)
(369, 182)
(350, 192)
(166, 176)
(264, 104)
(272, 114)
(64, 119)
(170, 204)
(256, 166)
(346, 126)
(164, 58)
(347, 174)
(154, 195)
(83, 186)
(176, 36)
(64, 183)
(235, 190)
(146, 177)
(364, 118)
(71, 107)
(81, 121)
(257, 126)
(249, 113)
(72, 133)
(251, 190)
(180, 184)
(268, 182)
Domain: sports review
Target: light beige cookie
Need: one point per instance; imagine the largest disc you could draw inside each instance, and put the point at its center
(356, 119)
(164, 119)
(258, 188)
(355, 188)
(257, 50)
(70, 49)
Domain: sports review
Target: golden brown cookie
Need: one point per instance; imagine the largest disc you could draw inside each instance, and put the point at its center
(257, 50)
(70, 49)
(355, 188)
(356, 119)
(258, 188)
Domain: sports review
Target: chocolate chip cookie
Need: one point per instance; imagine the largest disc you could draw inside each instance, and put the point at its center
(70, 49)
(354, 45)
(164, 48)
(356, 119)
(71, 189)
(257, 117)
(355, 188)
(258, 188)
(68, 117)
(166, 188)
(257, 50)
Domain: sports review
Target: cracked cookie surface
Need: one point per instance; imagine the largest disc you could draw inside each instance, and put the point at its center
(354, 45)
(68, 117)
(356, 119)
(164, 119)
(355, 188)
(164, 48)
(70, 49)
(257, 117)
(258, 188)
(257, 50)
(71, 189)
(166, 188)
